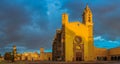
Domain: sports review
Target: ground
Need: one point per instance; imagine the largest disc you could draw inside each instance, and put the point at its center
(51, 62)
(18, 62)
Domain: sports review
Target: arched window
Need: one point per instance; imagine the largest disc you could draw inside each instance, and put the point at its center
(118, 58)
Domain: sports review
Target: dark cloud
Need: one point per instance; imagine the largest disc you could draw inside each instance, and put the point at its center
(31, 24)
(19, 17)
(11, 19)
(105, 15)
(75, 9)
(106, 19)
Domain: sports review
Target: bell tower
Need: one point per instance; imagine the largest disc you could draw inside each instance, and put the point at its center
(14, 52)
(87, 16)
(88, 22)
(64, 18)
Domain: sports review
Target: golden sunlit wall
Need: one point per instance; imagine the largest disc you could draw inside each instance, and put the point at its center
(83, 30)
(114, 51)
(76, 41)
(100, 52)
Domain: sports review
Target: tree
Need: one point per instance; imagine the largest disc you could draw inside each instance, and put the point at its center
(12, 57)
(0, 56)
(8, 56)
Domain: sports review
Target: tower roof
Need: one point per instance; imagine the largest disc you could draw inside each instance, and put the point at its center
(14, 45)
(87, 9)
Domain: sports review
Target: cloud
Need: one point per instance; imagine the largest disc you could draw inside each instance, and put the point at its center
(24, 23)
(105, 16)
(101, 42)
(31, 24)
(99, 38)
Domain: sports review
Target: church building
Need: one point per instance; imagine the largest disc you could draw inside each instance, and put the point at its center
(74, 41)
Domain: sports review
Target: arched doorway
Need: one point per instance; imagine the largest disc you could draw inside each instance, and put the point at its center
(49, 58)
(98, 58)
(78, 49)
(118, 58)
(26, 58)
(78, 56)
(115, 58)
(111, 58)
(105, 58)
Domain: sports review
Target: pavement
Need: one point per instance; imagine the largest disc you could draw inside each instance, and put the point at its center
(52, 62)
(82, 62)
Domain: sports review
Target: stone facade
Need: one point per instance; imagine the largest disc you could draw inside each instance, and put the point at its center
(74, 41)
(34, 56)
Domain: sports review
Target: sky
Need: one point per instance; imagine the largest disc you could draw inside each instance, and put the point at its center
(31, 24)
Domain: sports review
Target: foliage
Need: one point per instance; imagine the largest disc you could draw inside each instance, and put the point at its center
(8, 56)
(0, 56)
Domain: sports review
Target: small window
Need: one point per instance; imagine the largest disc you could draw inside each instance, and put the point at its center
(89, 19)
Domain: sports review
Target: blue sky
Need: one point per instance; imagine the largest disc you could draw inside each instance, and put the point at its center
(31, 24)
